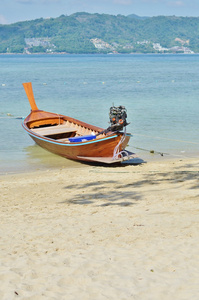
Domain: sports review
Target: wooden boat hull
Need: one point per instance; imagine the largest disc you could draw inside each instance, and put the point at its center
(53, 132)
(95, 148)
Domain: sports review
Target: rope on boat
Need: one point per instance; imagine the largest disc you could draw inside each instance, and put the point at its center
(59, 118)
(152, 151)
(162, 138)
(12, 117)
(162, 153)
(116, 152)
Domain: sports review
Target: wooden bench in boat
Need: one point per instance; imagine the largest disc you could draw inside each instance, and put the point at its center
(53, 130)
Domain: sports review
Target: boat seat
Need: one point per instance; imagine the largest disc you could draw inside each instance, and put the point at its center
(53, 130)
(66, 140)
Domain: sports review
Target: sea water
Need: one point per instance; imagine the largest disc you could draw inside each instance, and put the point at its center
(160, 93)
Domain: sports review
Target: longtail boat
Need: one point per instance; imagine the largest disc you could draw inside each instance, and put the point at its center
(76, 140)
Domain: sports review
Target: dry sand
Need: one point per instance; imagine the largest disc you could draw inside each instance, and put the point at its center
(101, 233)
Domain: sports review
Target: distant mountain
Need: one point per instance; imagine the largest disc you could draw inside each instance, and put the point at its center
(137, 17)
(102, 33)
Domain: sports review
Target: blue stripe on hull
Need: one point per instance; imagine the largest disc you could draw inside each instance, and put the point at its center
(73, 144)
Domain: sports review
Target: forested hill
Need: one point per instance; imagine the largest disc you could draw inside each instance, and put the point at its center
(102, 33)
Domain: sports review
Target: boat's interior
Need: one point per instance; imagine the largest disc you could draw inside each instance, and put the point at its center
(61, 129)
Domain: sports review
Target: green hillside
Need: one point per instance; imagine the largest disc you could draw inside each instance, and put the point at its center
(101, 33)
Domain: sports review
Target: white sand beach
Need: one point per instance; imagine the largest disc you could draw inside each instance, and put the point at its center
(101, 233)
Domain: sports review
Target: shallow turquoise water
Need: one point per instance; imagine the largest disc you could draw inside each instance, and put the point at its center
(160, 93)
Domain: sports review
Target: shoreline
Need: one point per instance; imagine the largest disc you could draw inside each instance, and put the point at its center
(54, 163)
(105, 233)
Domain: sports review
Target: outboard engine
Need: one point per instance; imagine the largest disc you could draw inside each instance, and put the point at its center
(117, 117)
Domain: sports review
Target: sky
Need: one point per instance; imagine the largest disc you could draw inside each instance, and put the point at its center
(12, 11)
